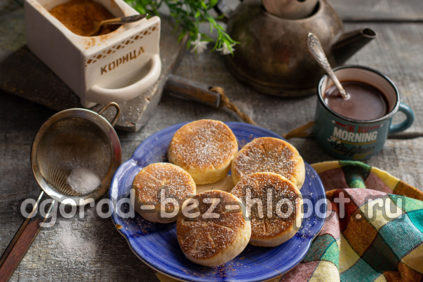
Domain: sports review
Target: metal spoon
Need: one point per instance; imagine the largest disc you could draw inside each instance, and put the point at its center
(115, 21)
(316, 49)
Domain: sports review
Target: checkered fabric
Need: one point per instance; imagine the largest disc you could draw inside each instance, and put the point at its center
(374, 231)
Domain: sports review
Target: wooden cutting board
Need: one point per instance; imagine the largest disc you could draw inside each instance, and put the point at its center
(24, 75)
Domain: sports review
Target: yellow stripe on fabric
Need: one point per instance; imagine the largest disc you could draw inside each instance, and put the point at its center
(380, 211)
(388, 179)
(324, 166)
(325, 271)
(381, 278)
(347, 256)
(415, 259)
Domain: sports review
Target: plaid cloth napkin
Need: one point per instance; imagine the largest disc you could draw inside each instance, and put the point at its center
(373, 234)
(374, 231)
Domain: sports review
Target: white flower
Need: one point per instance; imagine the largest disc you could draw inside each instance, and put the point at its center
(199, 46)
(226, 49)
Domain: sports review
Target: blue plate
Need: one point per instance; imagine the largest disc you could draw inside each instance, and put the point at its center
(157, 246)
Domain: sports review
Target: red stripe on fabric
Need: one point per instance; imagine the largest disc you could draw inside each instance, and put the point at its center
(374, 182)
(302, 272)
(333, 179)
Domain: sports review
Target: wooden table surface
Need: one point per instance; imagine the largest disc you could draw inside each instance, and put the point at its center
(91, 249)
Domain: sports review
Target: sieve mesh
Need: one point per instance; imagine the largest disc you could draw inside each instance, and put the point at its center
(72, 143)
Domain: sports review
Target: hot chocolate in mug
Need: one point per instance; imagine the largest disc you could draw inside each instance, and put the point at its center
(350, 138)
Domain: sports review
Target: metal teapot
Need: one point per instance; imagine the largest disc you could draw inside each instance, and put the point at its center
(272, 56)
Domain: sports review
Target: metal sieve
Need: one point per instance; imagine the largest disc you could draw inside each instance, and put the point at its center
(70, 140)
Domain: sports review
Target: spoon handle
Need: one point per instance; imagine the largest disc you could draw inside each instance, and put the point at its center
(316, 50)
(123, 20)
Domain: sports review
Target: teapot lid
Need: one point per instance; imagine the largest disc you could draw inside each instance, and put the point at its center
(290, 9)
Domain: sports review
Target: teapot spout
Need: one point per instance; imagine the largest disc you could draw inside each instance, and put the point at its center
(349, 43)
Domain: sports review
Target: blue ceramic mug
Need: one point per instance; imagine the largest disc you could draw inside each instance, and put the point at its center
(349, 139)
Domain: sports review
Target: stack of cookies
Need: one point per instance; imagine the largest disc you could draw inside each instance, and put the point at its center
(264, 207)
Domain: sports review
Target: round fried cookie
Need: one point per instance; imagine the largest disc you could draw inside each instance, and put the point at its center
(204, 148)
(212, 229)
(274, 205)
(268, 154)
(157, 182)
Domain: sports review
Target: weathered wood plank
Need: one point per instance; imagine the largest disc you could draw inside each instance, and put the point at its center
(396, 52)
(24, 75)
(92, 249)
(397, 157)
(379, 10)
(6, 6)
(370, 10)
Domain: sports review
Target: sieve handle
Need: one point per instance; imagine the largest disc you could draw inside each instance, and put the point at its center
(22, 240)
(116, 117)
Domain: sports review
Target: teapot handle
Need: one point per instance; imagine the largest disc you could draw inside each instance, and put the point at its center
(223, 10)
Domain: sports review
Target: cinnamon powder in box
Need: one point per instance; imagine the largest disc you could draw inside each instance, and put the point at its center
(80, 16)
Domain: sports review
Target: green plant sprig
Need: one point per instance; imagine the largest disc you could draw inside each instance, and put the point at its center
(188, 14)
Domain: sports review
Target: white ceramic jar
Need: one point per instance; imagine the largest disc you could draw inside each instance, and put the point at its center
(117, 66)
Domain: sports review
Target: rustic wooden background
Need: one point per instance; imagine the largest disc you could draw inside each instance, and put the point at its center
(91, 249)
